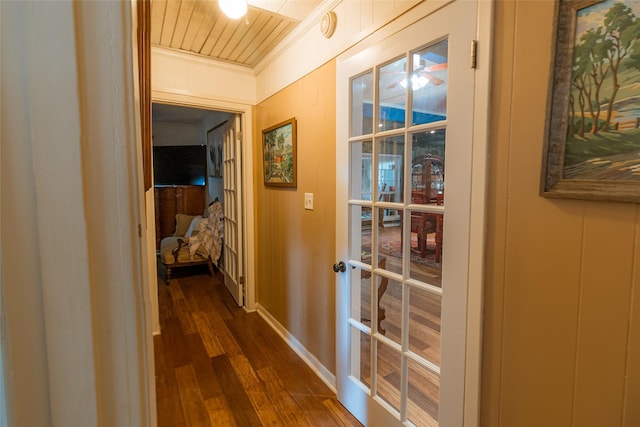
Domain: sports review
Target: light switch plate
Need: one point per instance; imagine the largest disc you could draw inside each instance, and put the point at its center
(308, 201)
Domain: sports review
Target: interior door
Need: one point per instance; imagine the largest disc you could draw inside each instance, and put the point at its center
(404, 160)
(232, 251)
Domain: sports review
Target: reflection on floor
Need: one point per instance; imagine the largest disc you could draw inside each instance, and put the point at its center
(423, 327)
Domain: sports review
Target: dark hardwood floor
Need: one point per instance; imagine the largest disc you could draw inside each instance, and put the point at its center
(217, 365)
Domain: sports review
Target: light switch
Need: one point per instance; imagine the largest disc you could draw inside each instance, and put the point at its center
(308, 201)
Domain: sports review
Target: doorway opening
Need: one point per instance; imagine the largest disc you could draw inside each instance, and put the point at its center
(193, 148)
(180, 120)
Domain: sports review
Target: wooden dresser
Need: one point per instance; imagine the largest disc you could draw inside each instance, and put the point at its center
(174, 199)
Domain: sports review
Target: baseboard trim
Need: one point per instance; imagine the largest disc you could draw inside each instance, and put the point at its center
(318, 368)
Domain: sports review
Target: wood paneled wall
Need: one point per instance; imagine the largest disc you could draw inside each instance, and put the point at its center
(562, 306)
(562, 292)
(295, 247)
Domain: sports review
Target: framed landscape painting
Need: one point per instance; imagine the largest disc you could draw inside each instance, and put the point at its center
(279, 154)
(592, 149)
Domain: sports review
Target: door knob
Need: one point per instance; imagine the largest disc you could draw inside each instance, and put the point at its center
(340, 267)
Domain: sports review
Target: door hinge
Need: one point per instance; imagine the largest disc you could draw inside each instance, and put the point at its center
(239, 135)
(241, 280)
(474, 53)
(140, 230)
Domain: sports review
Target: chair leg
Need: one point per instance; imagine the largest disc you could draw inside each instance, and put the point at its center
(167, 274)
(384, 283)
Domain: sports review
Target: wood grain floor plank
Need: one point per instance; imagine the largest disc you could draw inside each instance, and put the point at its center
(239, 403)
(196, 295)
(207, 378)
(319, 414)
(184, 316)
(193, 407)
(265, 409)
(224, 303)
(253, 378)
(248, 335)
(339, 413)
(173, 340)
(207, 335)
(167, 393)
(176, 293)
(220, 412)
(296, 376)
(287, 408)
(255, 390)
(226, 339)
(245, 373)
(165, 303)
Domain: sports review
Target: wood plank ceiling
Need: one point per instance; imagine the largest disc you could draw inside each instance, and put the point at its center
(200, 27)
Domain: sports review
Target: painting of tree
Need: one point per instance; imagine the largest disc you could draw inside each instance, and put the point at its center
(603, 126)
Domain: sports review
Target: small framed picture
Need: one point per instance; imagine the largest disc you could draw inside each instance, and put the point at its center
(279, 154)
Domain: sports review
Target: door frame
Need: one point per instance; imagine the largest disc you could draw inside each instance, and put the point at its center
(478, 198)
(245, 112)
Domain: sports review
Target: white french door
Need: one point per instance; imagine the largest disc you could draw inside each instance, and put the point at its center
(232, 249)
(405, 135)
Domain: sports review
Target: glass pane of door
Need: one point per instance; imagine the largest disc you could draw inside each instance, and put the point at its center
(392, 98)
(430, 80)
(362, 105)
(361, 170)
(396, 293)
(427, 167)
(423, 392)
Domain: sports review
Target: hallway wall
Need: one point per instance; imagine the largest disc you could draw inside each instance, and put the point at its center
(562, 304)
(77, 337)
(562, 312)
(295, 247)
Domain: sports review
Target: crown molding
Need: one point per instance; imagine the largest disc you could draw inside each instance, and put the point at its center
(202, 59)
(304, 27)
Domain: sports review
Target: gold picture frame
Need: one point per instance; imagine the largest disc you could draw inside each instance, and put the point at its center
(279, 152)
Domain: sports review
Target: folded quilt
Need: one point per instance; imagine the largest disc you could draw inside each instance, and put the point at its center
(210, 231)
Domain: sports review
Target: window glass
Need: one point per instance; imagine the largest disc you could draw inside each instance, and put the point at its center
(392, 85)
(362, 105)
(429, 82)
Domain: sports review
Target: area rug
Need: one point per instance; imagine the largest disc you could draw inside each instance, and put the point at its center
(393, 248)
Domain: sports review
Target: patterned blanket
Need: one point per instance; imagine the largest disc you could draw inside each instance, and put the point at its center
(210, 233)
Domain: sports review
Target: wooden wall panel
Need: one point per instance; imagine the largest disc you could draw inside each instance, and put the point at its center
(540, 297)
(631, 410)
(606, 279)
(561, 313)
(296, 247)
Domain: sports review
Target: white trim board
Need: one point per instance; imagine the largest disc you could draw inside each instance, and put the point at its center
(307, 357)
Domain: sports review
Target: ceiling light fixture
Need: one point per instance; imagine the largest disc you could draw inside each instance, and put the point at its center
(234, 9)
